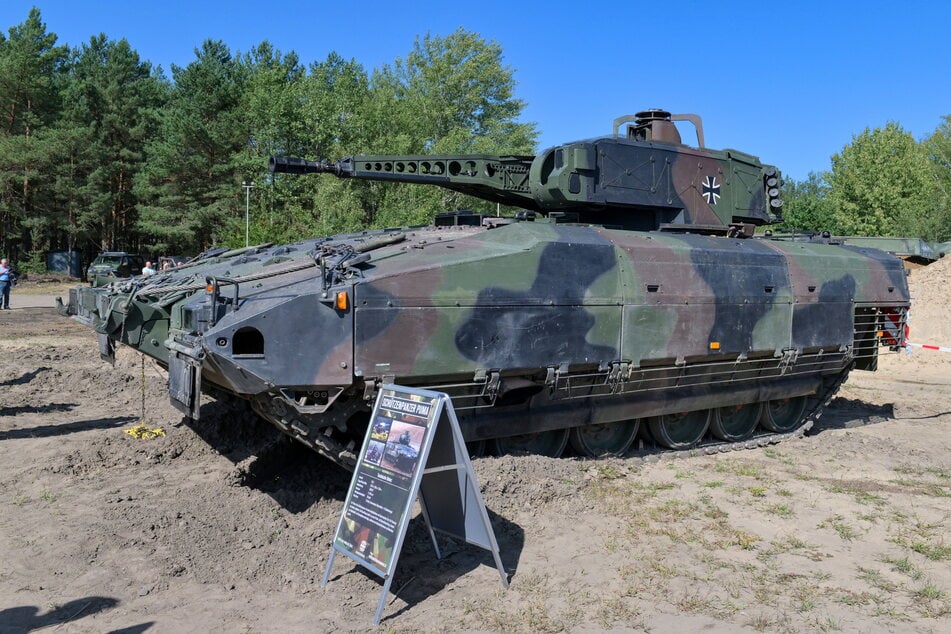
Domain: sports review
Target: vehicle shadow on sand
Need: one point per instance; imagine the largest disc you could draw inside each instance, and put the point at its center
(61, 429)
(27, 618)
(849, 413)
(266, 460)
(293, 475)
(296, 478)
(419, 575)
(25, 378)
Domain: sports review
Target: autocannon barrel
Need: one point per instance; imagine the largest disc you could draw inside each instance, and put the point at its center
(292, 165)
(501, 179)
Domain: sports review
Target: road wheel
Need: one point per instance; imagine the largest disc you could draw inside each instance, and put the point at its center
(783, 415)
(545, 443)
(735, 422)
(679, 431)
(476, 448)
(609, 439)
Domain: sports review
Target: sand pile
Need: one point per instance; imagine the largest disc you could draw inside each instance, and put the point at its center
(930, 322)
(931, 303)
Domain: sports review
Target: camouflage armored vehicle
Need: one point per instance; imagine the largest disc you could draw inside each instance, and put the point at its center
(629, 296)
(401, 453)
(915, 251)
(110, 265)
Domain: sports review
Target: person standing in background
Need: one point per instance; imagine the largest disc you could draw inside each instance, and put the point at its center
(6, 281)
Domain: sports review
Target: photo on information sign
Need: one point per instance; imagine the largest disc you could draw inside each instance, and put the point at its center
(402, 447)
(381, 429)
(374, 452)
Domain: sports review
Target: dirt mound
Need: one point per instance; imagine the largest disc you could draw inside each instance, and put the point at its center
(222, 524)
(930, 323)
(931, 303)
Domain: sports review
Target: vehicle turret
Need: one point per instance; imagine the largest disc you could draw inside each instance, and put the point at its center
(647, 179)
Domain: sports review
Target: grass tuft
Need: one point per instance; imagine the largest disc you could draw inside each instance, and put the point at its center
(839, 525)
(780, 510)
(903, 566)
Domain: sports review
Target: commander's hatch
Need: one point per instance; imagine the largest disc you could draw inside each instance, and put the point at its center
(658, 125)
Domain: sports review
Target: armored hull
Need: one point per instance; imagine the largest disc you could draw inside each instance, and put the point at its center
(539, 331)
(630, 288)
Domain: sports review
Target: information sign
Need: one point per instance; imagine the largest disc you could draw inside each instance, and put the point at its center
(413, 449)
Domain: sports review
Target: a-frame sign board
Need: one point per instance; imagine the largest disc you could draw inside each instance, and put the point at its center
(413, 449)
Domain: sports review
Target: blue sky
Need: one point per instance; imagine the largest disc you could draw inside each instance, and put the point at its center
(791, 82)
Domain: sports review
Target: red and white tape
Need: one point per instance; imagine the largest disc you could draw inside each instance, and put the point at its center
(925, 346)
(908, 344)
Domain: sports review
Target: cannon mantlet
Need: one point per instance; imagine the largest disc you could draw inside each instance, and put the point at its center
(646, 179)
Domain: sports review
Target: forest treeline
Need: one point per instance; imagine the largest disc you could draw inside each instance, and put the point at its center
(101, 150)
(883, 183)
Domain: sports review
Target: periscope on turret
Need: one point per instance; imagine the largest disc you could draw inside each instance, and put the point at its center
(629, 296)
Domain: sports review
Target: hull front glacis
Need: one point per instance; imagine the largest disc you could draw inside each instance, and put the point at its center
(240, 323)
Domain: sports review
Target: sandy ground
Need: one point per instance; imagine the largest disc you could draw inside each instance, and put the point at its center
(223, 526)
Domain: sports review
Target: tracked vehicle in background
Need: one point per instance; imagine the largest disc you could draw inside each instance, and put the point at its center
(629, 298)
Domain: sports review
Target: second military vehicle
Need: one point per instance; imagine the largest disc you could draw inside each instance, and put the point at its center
(111, 265)
(629, 296)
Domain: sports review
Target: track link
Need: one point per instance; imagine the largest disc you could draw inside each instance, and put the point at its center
(342, 451)
(650, 452)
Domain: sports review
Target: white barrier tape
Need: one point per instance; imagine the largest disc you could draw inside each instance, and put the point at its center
(925, 346)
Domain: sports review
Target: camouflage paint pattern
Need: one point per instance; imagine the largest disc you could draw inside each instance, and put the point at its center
(445, 304)
(528, 325)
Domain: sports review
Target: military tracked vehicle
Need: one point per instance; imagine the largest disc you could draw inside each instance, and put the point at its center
(110, 265)
(630, 297)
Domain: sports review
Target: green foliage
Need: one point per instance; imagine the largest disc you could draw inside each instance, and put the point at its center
(100, 150)
(938, 149)
(34, 263)
(449, 95)
(30, 66)
(882, 184)
(226, 115)
(111, 103)
(29, 60)
(190, 183)
(806, 204)
(269, 115)
(454, 95)
(330, 119)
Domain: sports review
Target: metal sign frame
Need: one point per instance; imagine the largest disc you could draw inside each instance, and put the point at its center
(388, 479)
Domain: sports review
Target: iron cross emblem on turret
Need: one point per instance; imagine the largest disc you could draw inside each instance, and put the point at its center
(711, 190)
